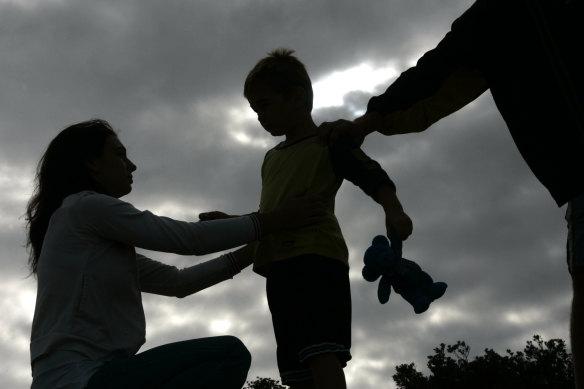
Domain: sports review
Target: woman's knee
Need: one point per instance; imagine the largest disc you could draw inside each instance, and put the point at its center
(237, 349)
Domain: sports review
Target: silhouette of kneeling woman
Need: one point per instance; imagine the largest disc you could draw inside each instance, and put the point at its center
(89, 321)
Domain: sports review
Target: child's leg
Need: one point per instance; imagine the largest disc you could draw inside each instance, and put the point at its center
(327, 372)
(310, 301)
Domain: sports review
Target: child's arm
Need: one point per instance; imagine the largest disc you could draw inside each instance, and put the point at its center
(395, 217)
(351, 163)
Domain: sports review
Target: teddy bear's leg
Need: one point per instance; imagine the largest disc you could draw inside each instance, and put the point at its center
(426, 284)
(438, 289)
(384, 289)
(420, 302)
(412, 294)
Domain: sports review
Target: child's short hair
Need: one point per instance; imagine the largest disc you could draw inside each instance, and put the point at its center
(282, 71)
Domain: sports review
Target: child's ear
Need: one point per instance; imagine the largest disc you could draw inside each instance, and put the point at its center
(299, 96)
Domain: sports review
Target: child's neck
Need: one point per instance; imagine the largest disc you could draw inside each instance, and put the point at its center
(302, 130)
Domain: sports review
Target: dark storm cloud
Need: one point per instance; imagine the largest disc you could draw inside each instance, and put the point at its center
(169, 75)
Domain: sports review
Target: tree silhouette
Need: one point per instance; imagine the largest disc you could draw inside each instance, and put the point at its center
(264, 383)
(540, 365)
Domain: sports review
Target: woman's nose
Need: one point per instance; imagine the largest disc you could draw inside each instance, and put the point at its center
(132, 167)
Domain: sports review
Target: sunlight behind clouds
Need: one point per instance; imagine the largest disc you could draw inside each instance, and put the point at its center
(446, 314)
(16, 187)
(362, 368)
(220, 326)
(175, 210)
(330, 90)
(522, 317)
(15, 183)
(17, 313)
(242, 117)
(247, 140)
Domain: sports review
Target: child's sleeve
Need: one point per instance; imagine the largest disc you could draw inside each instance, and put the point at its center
(351, 163)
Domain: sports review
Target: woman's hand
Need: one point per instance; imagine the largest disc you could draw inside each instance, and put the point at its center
(243, 257)
(298, 210)
(214, 215)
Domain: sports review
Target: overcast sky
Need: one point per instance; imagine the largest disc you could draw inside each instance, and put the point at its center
(168, 75)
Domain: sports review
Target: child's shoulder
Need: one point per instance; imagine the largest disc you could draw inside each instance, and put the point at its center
(310, 141)
(301, 148)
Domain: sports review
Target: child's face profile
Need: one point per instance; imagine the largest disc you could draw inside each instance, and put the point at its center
(276, 112)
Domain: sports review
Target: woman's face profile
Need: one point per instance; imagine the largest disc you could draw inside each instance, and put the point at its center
(112, 170)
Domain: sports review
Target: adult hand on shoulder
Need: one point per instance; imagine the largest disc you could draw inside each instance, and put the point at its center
(330, 132)
(358, 129)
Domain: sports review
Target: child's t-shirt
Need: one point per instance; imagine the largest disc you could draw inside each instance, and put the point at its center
(307, 164)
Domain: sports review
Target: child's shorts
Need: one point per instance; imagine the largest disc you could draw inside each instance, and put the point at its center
(310, 300)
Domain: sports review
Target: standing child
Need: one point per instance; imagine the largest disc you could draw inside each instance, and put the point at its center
(307, 269)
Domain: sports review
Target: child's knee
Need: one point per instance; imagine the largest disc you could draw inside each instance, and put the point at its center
(324, 360)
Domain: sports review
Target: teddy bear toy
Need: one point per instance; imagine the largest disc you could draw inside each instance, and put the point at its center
(405, 276)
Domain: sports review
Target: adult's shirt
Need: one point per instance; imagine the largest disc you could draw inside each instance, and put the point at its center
(528, 53)
(90, 279)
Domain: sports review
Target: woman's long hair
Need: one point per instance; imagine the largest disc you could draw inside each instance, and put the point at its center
(62, 171)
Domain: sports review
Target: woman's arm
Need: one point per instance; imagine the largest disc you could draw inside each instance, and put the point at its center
(159, 278)
(116, 220)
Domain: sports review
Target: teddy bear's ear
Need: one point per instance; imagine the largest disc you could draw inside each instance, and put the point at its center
(380, 240)
(369, 274)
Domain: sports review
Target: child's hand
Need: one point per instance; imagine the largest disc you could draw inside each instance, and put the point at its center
(400, 222)
(214, 215)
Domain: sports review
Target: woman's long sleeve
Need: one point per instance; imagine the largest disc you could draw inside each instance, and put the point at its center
(120, 221)
(160, 278)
